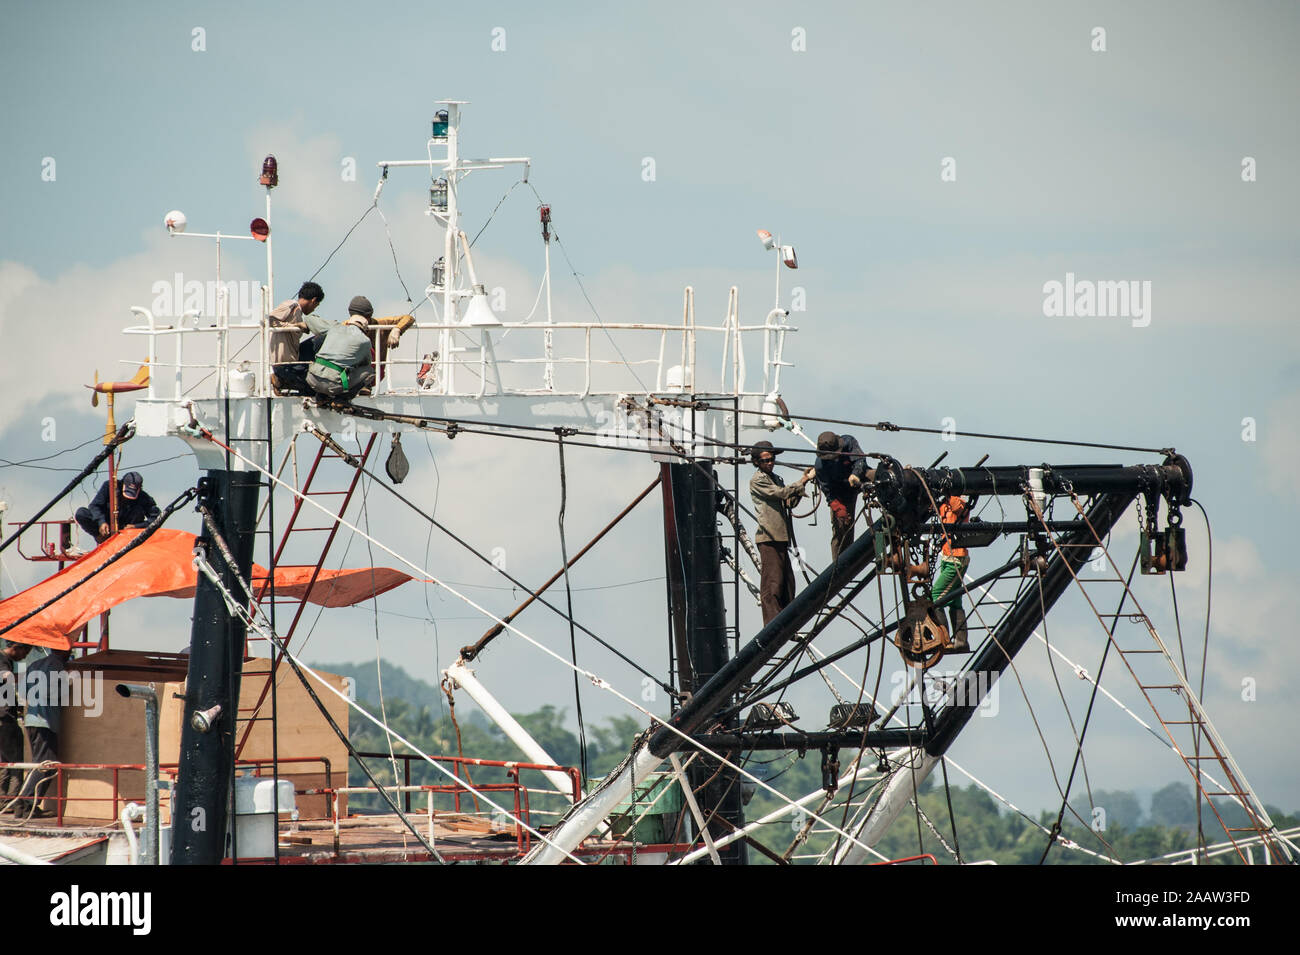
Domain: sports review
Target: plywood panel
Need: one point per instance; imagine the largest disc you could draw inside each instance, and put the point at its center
(115, 734)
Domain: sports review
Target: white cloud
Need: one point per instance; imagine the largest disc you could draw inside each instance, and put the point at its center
(1279, 444)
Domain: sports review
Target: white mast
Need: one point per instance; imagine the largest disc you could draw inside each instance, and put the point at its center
(453, 169)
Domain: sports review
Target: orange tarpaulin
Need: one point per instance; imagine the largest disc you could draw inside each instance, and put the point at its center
(162, 567)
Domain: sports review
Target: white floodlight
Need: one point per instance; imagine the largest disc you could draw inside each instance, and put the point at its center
(480, 312)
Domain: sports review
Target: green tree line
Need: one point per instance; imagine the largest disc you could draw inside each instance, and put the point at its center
(1113, 824)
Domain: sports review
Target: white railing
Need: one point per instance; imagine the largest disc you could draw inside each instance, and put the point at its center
(476, 366)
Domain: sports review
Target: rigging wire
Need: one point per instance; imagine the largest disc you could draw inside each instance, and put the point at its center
(124, 433)
(181, 499)
(238, 611)
(391, 248)
(1205, 650)
(568, 593)
(374, 602)
(596, 680)
(583, 288)
(369, 209)
(1078, 755)
(377, 481)
(890, 426)
(27, 462)
(247, 618)
(1011, 661)
(1079, 760)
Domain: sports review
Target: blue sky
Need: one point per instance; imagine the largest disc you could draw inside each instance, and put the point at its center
(924, 296)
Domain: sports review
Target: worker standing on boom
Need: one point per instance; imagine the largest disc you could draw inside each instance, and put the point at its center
(773, 500)
(953, 562)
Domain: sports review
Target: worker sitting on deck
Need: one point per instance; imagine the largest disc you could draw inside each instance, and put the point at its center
(953, 562)
(344, 363)
(135, 508)
(289, 356)
(773, 500)
(841, 469)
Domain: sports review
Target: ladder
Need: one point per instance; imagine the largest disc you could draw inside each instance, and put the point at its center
(336, 499)
(1158, 696)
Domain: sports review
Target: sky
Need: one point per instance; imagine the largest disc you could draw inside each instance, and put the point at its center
(935, 166)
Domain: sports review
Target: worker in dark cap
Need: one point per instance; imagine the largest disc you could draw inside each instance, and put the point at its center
(345, 362)
(773, 500)
(841, 469)
(135, 508)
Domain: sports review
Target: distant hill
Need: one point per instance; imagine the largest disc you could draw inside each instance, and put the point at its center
(398, 684)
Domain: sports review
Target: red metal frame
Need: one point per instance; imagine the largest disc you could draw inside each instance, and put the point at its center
(60, 796)
(49, 550)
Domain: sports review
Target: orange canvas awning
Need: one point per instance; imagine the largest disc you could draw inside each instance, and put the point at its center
(163, 567)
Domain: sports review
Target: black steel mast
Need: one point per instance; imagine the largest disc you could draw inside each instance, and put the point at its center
(207, 754)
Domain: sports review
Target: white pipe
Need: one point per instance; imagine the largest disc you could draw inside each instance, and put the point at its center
(899, 791)
(19, 857)
(469, 259)
(463, 677)
(588, 814)
(130, 812)
(680, 777)
(270, 272)
(149, 318)
(548, 339)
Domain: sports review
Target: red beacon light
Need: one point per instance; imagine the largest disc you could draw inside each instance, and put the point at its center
(270, 173)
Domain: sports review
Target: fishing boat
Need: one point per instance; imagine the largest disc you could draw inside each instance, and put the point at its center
(238, 750)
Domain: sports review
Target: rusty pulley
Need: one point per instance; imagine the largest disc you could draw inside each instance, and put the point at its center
(397, 466)
(921, 638)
